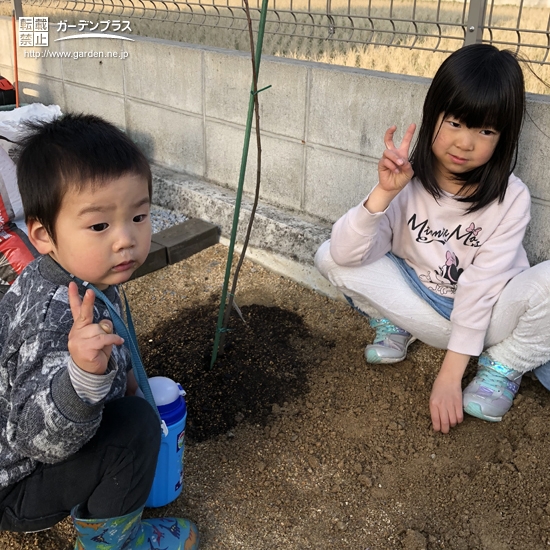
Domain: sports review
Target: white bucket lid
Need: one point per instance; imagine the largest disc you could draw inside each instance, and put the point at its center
(165, 390)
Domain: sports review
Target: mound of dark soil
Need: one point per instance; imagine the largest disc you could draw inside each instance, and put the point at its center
(262, 363)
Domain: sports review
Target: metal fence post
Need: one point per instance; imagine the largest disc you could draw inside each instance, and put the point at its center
(476, 20)
(17, 8)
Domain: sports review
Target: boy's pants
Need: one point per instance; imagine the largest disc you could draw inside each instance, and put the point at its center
(519, 331)
(113, 473)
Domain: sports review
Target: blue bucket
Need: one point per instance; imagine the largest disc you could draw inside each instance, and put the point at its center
(168, 482)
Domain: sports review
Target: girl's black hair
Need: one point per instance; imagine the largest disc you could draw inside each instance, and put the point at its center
(74, 151)
(482, 87)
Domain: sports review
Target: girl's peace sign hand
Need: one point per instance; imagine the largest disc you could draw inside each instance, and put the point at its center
(90, 343)
(394, 168)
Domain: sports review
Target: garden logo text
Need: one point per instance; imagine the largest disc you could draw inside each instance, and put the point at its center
(34, 31)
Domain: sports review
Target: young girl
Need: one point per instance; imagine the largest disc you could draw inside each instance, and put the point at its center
(436, 247)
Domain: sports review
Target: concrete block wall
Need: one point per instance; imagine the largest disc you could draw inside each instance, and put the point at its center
(322, 129)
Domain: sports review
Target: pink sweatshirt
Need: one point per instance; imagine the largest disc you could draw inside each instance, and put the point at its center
(468, 257)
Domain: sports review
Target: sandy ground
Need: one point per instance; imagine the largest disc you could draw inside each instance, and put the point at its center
(347, 459)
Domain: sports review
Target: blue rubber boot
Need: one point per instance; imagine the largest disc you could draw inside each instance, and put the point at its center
(130, 532)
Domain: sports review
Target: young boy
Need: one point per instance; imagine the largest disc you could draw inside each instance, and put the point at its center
(72, 439)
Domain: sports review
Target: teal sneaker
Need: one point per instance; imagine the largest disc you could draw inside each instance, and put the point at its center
(491, 393)
(390, 343)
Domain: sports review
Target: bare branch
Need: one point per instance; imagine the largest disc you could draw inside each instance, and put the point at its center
(258, 179)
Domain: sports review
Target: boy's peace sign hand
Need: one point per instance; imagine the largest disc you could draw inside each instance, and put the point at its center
(394, 168)
(90, 343)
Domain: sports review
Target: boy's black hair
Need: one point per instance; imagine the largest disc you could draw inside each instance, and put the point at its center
(482, 87)
(74, 151)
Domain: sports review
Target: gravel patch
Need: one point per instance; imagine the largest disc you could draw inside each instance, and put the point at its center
(163, 218)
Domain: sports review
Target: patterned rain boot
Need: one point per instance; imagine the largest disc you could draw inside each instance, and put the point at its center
(491, 393)
(390, 343)
(130, 532)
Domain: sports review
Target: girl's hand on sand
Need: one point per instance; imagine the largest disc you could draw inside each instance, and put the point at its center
(394, 168)
(446, 405)
(90, 343)
(446, 398)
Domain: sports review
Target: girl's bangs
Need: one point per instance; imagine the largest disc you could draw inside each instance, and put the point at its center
(484, 109)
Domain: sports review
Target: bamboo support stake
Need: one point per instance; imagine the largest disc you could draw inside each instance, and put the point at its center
(220, 328)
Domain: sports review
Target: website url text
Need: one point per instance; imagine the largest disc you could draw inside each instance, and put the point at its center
(77, 55)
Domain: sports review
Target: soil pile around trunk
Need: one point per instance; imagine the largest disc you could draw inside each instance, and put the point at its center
(261, 364)
(294, 442)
